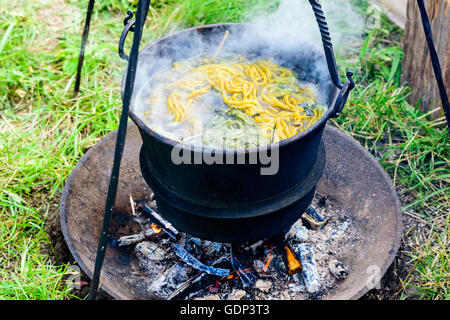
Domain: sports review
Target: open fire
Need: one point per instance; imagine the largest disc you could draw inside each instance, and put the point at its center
(360, 237)
(185, 267)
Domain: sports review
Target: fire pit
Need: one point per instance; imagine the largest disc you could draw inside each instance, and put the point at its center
(361, 238)
(269, 237)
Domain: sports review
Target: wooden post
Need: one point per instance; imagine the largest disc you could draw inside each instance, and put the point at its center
(417, 68)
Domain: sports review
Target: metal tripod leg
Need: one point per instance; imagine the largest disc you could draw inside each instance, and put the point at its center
(141, 14)
(84, 38)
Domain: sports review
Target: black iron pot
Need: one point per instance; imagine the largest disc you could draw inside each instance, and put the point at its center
(235, 202)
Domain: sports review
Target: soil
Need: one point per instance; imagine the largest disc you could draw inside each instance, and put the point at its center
(391, 284)
(54, 18)
(60, 253)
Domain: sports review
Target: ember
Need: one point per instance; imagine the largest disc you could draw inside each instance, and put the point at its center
(160, 221)
(243, 266)
(294, 265)
(156, 228)
(355, 217)
(268, 259)
(188, 267)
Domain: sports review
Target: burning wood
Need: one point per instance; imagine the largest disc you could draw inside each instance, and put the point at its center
(197, 283)
(312, 219)
(243, 266)
(293, 263)
(136, 238)
(160, 221)
(310, 274)
(192, 261)
(269, 257)
(277, 259)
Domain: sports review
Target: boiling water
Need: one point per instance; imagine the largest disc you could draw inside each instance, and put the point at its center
(173, 104)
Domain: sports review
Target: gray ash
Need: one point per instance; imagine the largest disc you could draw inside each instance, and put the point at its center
(319, 250)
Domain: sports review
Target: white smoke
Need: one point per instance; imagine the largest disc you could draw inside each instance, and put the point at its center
(294, 23)
(291, 31)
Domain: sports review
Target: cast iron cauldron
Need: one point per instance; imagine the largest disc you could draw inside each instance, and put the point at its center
(235, 202)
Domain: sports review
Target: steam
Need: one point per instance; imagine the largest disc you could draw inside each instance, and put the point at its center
(294, 23)
(290, 32)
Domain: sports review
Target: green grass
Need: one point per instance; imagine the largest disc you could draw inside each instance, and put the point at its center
(413, 149)
(415, 152)
(432, 263)
(44, 132)
(26, 272)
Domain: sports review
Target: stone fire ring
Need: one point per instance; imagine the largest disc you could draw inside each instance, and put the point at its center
(352, 178)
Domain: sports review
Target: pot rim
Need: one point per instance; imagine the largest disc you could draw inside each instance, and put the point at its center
(141, 124)
(226, 210)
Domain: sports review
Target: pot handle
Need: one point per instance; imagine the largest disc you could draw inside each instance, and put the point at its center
(129, 26)
(331, 61)
(343, 95)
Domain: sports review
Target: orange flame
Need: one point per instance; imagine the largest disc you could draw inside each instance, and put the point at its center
(268, 259)
(294, 265)
(156, 228)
